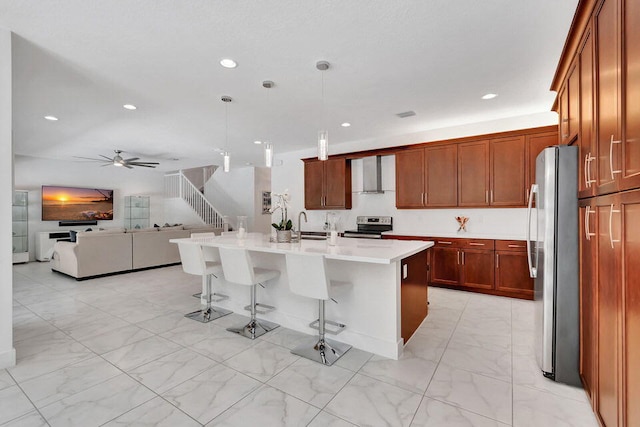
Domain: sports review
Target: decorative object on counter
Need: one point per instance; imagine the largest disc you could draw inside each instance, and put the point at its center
(283, 229)
(266, 202)
(462, 221)
(242, 226)
(332, 228)
(323, 134)
(225, 223)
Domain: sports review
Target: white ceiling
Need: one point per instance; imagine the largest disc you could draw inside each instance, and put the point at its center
(81, 60)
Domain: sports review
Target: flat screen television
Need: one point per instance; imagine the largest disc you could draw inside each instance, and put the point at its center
(76, 204)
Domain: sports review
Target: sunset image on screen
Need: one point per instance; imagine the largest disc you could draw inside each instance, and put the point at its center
(76, 204)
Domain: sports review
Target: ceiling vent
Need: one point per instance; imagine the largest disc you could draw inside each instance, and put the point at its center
(406, 114)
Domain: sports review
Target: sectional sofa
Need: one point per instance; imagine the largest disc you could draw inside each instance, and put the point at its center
(111, 251)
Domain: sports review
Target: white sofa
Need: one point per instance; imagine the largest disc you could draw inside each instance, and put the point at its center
(99, 253)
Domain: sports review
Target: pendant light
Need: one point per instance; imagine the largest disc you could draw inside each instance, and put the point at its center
(323, 135)
(268, 146)
(226, 164)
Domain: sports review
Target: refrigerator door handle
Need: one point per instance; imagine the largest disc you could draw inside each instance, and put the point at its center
(532, 270)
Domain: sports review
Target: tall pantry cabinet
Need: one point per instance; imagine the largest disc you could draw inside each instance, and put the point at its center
(603, 51)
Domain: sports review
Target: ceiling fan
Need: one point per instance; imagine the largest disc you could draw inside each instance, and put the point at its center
(118, 161)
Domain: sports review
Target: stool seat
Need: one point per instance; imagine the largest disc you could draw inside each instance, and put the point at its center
(238, 269)
(193, 262)
(308, 277)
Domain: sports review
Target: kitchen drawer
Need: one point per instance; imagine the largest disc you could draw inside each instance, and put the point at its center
(444, 242)
(477, 244)
(511, 245)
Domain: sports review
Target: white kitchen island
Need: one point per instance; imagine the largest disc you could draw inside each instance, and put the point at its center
(388, 278)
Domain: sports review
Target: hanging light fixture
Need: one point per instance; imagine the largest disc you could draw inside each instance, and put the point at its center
(226, 165)
(323, 135)
(268, 146)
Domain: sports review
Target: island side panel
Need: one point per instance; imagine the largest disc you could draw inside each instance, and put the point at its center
(414, 294)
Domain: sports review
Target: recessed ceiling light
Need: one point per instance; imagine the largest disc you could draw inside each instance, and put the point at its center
(257, 142)
(52, 118)
(228, 63)
(129, 107)
(489, 96)
(345, 124)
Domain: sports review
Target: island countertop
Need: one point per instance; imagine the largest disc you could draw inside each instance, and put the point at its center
(347, 249)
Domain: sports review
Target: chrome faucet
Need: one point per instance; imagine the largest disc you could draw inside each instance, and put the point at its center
(299, 224)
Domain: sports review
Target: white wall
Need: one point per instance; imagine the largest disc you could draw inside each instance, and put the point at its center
(499, 223)
(31, 173)
(239, 192)
(7, 352)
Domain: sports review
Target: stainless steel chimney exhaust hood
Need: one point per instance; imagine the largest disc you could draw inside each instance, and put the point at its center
(372, 175)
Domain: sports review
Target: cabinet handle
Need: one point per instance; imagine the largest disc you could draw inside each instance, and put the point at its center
(486, 196)
(491, 198)
(462, 258)
(444, 243)
(476, 244)
(497, 260)
(422, 199)
(426, 198)
(611, 212)
(515, 246)
(586, 172)
(458, 257)
(590, 181)
(613, 172)
(587, 223)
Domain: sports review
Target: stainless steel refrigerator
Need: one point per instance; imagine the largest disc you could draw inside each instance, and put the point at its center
(553, 255)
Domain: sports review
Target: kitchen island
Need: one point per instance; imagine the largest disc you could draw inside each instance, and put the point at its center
(389, 287)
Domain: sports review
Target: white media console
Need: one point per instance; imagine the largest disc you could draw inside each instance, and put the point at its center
(45, 241)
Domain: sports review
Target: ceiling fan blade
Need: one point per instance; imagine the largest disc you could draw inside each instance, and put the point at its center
(108, 158)
(127, 166)
(89, 158)
(131, 159)
(106, 164)
(143, 165)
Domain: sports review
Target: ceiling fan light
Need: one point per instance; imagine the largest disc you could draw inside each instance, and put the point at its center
(116, 163)
(323, 145)
(268, 154)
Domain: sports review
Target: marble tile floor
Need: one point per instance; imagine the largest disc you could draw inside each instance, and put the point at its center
(117, 351)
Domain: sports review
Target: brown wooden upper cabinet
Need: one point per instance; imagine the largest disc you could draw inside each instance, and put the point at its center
(473, 173)
(535, 144)
(587, 141)
(327, 184)
(492, 173)
(630, 150)
(427, 177)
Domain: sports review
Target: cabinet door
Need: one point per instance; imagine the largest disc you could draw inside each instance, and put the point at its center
(314, 185)
(563, 113)
(441, 165)
(588, 246)
(630, 162)
(512, 273)
(445, 266)
(573, 84)
(410, 179)
(508, 178)
(535, 144)
(587, 146)
(608, 308)
(630, 215)
(608, 91)
(337, 184)
(473, 174)
(477, 268)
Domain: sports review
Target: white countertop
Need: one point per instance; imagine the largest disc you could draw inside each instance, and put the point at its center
(459, 235)
(359, 250)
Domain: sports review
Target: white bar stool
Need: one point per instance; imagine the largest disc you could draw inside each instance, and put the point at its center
(209, 253)
(193, 262)
(238, 269)
(308, 278)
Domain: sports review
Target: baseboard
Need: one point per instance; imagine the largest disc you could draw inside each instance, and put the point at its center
(8, 358)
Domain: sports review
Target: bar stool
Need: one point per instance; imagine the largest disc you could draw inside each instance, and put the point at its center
(238, 269)
(308, 278)
(210, 253)
(193, 262)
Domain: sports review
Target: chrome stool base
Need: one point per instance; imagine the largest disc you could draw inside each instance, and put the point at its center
(208, 314)
(322, 351)
(254, 329)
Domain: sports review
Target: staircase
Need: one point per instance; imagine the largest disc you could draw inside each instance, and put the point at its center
(177, 185)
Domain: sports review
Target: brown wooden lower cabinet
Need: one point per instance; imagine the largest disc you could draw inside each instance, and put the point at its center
(413, 293)
(496, 267)
(610, 306)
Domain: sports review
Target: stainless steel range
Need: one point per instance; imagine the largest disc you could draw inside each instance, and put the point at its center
(371, 227)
